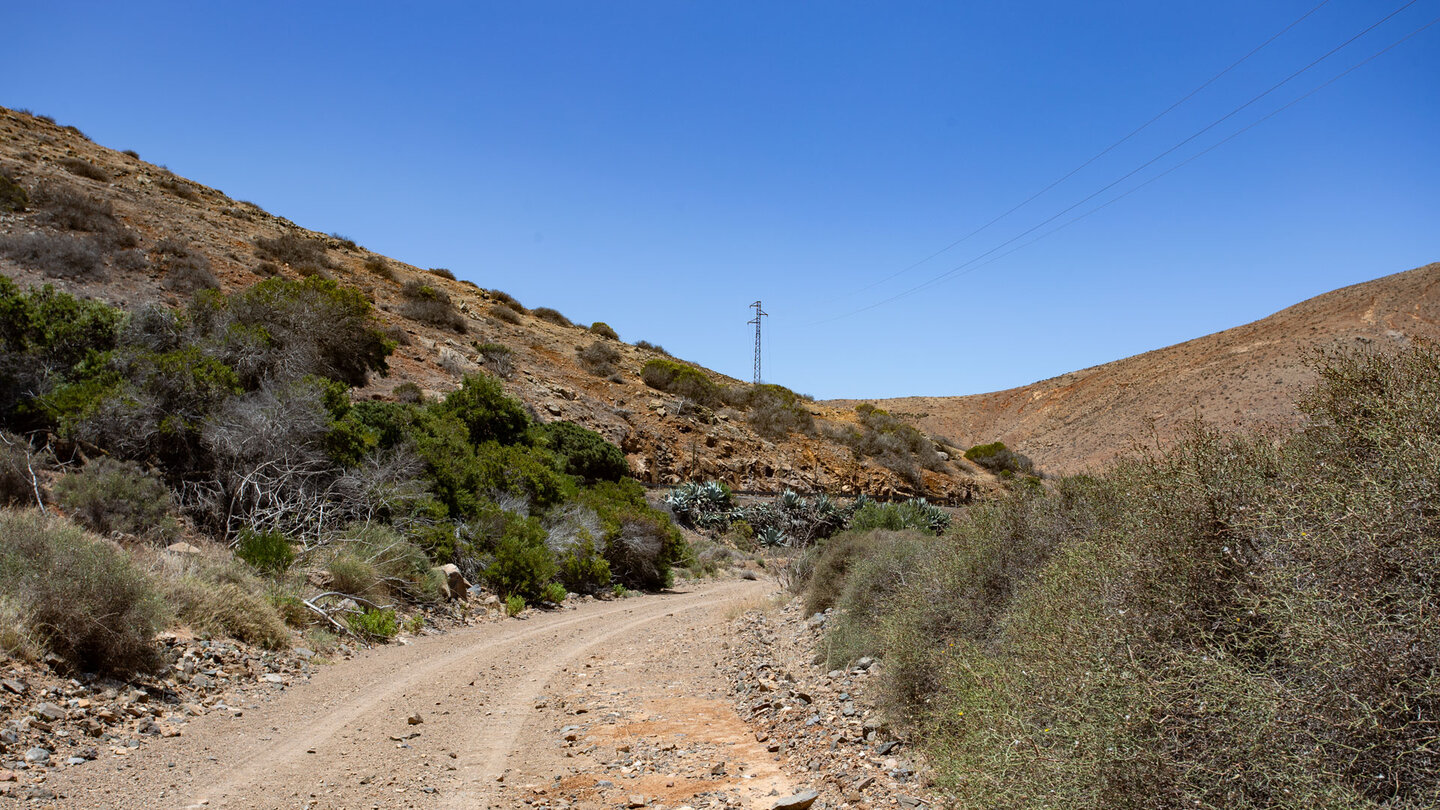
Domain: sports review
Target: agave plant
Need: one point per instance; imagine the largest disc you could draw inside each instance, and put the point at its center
(936, 519)
(790, 500)
(713, 495)
(772, 537)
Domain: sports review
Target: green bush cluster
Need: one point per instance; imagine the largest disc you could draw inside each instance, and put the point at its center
(894, 443)
(1000, 459)
(680, 379)
(604, 330)
(118, 496)
(551, 316)
(1239, 621)
(295, 249)
(12, 195)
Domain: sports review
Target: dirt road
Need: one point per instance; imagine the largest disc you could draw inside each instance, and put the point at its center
(610, 704)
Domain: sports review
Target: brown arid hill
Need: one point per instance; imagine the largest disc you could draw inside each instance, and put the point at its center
(1248, 376)
(170, 236)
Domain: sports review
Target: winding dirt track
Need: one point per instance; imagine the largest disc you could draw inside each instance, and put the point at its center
(495, 711)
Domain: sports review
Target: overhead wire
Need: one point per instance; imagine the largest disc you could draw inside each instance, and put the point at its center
(1204, 151)
(1102, 153)
(986, 254)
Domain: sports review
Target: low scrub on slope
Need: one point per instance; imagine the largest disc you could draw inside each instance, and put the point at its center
(1238, 622)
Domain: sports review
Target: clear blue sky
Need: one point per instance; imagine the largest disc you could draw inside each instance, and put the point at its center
(660, 165)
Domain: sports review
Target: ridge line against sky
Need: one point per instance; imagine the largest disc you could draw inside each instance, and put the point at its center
(660, 166)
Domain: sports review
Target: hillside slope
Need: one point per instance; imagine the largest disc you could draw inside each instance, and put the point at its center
(1248, 375)
(170, 236)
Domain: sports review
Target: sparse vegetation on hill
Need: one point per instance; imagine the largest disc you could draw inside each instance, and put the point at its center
(894, 443)
(429, 304)
(1234, 622)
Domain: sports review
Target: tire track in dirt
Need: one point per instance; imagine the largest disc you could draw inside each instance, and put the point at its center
(341, 741)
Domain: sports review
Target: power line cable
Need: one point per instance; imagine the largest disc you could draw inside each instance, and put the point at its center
(1217, 144)
(1152, 161)
(1102, 153)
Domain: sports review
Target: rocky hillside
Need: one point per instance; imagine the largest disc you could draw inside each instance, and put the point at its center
(110, 225)
(1248, 375)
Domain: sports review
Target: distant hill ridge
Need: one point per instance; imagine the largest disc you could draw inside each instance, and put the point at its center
(1247, 375)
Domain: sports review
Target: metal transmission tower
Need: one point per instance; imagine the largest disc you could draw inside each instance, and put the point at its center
(759, 313)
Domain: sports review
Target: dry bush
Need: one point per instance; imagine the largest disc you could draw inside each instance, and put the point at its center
(505, 299)
(442, 272)
(651, 347)
(19, 471)
(294, 249)
(186, 270)
(497, 358)
(220, 598)
(505, 314)
(599, 358)
(66, 207)
(57, 256)
(13, 196)
(76, 596)
(178, 187)
(429, 304)
(84, 168)
(551, 316)
(377, 265)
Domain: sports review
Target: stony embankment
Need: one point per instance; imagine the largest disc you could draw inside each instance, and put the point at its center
(823, 722)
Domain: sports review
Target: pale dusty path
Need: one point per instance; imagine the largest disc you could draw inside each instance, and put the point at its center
(493, 706)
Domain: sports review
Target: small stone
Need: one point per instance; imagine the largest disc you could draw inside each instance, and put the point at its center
(415, 719)
(37, 755)
(271, 677)
(637, 801)
(12, 685)
(49, 712)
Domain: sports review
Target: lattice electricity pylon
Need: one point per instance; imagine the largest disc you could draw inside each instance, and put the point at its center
(759, 313)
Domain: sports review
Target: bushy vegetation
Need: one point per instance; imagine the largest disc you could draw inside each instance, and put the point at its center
(599, 358)
(507, 301)
(551, 316)
(13, 196)
(604, 330)
(497, 358)
(236, 411)
(773, 411)
(1001, 460)
(681, 379)
(118, 496)
(427, 303)
(794, 520)
(57, 256)
(504, 314)
(84, 168)
(894, 443)
(295, 249)
(1238, 621)
(651, 347)
(74, 596)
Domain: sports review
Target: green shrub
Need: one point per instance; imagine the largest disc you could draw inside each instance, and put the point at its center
(551, 316)
(118, 496)
(582, 569)
(603, 330)
(554, 593)
(486, 411)
(409, 393)
(44, 335)
(880, 569)
(375, 561)
(521, 564)
(1233, 622)
(76, 596)
(288, 329)
(374, 625)
(913, 514)
(896, 445)
(584, 453)
(680, 379)
(1000, 459)
(598, 358)
(514, 605)
(270, 552)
